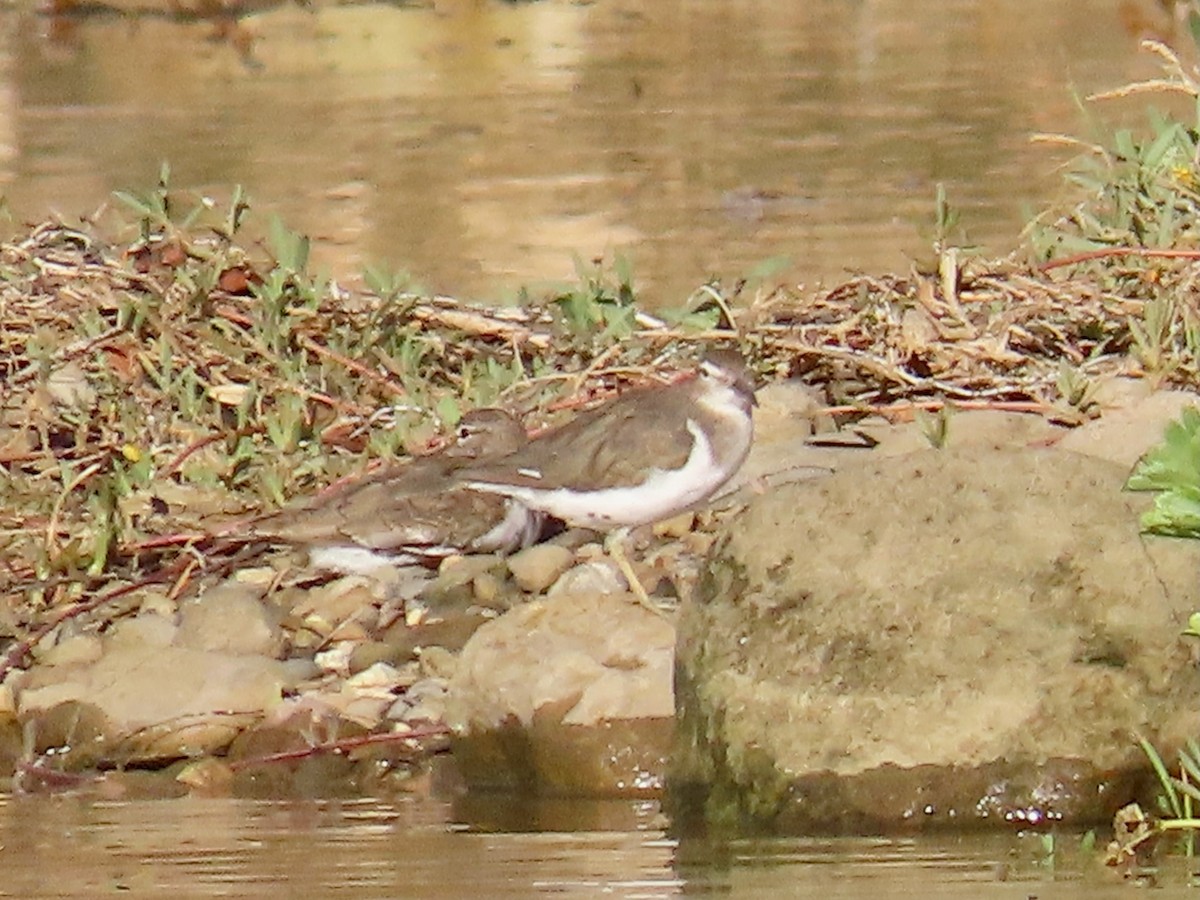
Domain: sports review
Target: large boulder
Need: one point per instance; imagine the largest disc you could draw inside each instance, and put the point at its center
(946, 637)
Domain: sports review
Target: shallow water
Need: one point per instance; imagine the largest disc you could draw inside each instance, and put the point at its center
(484, 145)
(73, 847)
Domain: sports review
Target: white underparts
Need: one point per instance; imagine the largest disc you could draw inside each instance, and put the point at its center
(357, 560)
(663, 493)
(518, 528)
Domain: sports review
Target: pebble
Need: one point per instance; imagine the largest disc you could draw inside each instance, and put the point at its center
(598, 577)
(487, 588)
(676, 526)
(323, 609)
(438, 662)
(536, 568)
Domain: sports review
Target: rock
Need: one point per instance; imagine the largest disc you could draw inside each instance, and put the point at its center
(144, 630)
(336, 658)
(207, 777)
(783, 425)
(230, 618)
(281, 756)
(366, 653)
(981, 647)
(76, 649)
(364, 698)
(321, 610)
(154, 699)
(454, 589)
(966, 428)
(424, 702)
(536, 568)
(486, 588)
(438, 662)
(1125, 434)
(597, 577)
(676, 526)
(571, 694)
(404, 642)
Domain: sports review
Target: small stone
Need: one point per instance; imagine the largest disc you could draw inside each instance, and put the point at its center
(676, 526)
(454, 588)
(8, 703)
(159, 604)
(336, 659)
(456, 570)
(438, 662)
(537, 567)
(349, 631)
(486, 587)
(699, 543)
(323, 609)
(590, 551)
(367, 653)
(381, 675)
(259, 576)
(599, 577)
(207, 777)
(431, 709)
(425, 701)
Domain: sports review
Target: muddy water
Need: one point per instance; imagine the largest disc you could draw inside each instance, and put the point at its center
(70, 847)
(482, 145)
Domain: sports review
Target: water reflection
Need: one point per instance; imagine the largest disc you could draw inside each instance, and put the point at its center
(76, 847)
(480, 146)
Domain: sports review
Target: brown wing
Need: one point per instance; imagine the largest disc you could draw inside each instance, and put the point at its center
(324, 518)
(608, 446)
(451, 517)
(409, 505)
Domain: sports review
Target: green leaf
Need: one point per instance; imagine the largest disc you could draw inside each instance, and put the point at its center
(290, 248)
(1164, 779)
(448, 410)
(1173, 515)
(1192, 630)
(143, 206)
(1156, 153)
(1175, 463)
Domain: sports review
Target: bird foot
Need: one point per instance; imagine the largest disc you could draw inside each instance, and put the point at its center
(614, 547)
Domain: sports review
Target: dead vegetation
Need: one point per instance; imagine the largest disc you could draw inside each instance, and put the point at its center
(154, 387)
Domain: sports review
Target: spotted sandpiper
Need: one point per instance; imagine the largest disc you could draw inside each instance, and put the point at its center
(647, 455)
(413, 513)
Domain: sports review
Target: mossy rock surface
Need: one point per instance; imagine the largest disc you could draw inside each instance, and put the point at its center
(978, 635)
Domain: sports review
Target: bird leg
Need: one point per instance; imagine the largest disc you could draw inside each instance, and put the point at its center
(614, 547)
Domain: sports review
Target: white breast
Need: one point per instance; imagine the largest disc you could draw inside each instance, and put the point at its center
(662, 494)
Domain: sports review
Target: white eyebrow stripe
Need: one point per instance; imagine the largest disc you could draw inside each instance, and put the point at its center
(530, 473)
